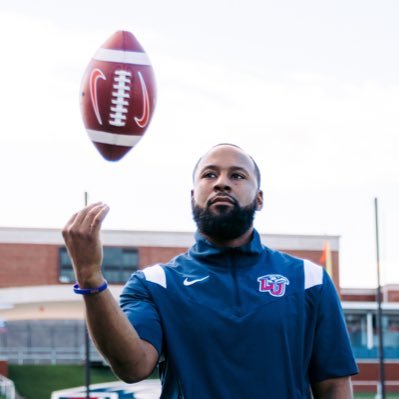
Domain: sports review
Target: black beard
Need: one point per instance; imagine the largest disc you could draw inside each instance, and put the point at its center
(228, 224)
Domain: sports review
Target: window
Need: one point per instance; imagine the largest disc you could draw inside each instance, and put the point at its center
(357, 328)
(391, 338)
(118, 265)
(363, 333)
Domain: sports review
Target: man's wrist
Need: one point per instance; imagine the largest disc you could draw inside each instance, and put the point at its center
(92, 281)
(90, 291)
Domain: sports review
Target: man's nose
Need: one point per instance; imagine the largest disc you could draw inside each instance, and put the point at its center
(222, 183)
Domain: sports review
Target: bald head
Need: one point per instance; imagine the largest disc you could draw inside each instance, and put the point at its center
(255, 166)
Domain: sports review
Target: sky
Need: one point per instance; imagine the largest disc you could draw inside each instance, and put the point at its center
(310, 89)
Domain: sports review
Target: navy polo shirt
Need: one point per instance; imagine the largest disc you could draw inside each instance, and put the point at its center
(240, 323)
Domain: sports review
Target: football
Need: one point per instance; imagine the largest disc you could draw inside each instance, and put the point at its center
(118, 95)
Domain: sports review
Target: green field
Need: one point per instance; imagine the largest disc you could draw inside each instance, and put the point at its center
(38, 382)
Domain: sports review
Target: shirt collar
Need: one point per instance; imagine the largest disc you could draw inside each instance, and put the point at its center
(204, 251)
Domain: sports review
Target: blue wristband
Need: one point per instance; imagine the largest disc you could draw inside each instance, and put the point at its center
(90, 291)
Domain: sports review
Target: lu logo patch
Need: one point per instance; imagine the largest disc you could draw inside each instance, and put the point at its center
(274, 284)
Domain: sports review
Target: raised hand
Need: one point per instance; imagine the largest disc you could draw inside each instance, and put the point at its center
(82, 239)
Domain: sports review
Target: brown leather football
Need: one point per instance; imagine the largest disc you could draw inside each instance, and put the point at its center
(118, 95)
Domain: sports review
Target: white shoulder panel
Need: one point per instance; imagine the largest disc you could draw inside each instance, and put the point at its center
(155, 274)
(313, 274)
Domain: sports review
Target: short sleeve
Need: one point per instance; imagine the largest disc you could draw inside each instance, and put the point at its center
(332, 354)
(138, 306)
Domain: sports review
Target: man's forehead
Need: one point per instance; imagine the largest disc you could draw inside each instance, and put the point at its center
(226, 156)
(233, 154)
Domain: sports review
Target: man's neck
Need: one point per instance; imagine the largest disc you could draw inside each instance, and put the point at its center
(231, 243)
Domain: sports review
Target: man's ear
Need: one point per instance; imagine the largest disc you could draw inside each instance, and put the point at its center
(259, 200)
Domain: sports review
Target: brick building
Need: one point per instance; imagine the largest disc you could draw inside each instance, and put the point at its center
(43, 320)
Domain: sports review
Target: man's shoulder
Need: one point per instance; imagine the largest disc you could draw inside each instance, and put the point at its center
(283, 258)
(287, 263)
(156, 273)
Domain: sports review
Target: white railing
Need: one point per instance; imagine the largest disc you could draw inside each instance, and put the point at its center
(7, 388)
(47, 355)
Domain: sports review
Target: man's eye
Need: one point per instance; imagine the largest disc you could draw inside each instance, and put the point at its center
(237, 176)
(209, 175)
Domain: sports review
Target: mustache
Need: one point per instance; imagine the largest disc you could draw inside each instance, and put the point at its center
(224, 196)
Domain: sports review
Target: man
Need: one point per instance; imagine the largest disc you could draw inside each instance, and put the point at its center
(228, 319)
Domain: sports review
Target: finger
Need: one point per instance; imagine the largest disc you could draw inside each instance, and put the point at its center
(99, 218)
(82, 214)
(92, 214)
(66, 229)
(70, 221)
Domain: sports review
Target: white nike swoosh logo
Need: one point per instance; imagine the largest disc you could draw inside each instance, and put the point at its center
(191, 282)
(144, 119)
(93, 82)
